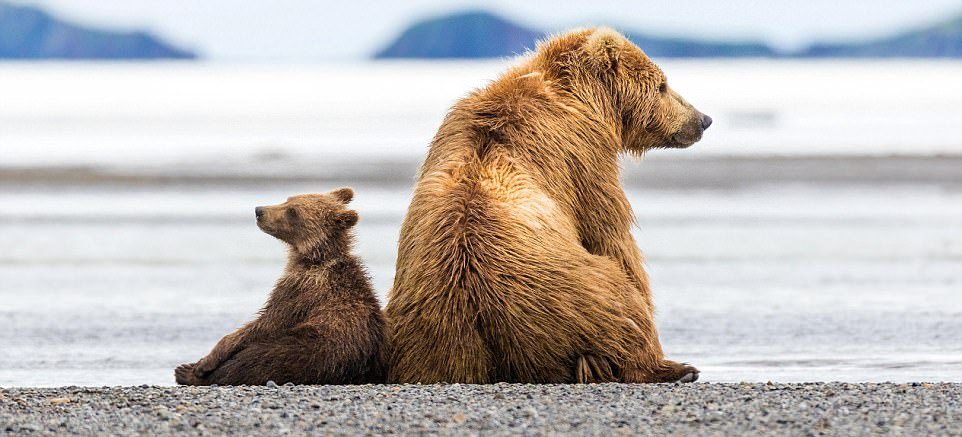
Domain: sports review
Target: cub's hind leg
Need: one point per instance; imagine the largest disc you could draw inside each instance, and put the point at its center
(280, 360)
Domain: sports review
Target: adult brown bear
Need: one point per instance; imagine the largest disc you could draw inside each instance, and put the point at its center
(516, 261)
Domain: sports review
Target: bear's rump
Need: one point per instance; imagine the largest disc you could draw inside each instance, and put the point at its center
(538, 315)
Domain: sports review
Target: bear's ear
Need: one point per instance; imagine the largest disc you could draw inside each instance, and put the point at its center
(604, 47)
(347, 218)
(343, 194)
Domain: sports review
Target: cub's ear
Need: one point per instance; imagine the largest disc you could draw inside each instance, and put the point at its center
(347, 218)
(343, 194)
(603, 48)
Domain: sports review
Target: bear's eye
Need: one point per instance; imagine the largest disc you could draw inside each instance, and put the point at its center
(291, 213)
(663, 88)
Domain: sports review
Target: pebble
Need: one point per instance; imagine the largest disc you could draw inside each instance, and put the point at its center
(688, 409)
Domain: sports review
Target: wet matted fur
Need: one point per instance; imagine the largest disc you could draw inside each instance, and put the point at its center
(516, 260)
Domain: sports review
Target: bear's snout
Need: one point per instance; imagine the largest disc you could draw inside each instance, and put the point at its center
(259, 212)
(705, 121)
(691, 132)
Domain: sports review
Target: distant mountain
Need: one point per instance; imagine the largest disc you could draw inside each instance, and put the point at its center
(479, 34)
(943, 40)
(464, 35)
(30, 33)
(660, 47)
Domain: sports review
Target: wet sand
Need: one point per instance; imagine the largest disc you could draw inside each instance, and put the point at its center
(653, 172)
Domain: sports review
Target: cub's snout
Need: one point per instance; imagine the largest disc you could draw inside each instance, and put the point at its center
(267, 221)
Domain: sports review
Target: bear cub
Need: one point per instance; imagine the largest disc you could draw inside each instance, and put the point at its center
(322, 323)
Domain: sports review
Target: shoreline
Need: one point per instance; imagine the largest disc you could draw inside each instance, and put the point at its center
(648, 172)
(657, 409)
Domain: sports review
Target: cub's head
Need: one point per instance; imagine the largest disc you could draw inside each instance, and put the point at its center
(605, 67)
(309, 221)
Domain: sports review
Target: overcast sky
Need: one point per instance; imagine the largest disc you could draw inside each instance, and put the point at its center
(312, 30)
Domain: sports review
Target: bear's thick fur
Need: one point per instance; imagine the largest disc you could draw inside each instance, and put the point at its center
(516, 260)
(322, 323)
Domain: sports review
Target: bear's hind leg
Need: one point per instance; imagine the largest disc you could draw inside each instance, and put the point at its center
(671, 371)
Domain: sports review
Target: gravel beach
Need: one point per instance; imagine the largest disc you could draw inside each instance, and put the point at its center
(666, 409)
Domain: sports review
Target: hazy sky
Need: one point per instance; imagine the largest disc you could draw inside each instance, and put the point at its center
(311, 30)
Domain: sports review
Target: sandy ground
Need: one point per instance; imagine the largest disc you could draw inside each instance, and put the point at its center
(692, 409)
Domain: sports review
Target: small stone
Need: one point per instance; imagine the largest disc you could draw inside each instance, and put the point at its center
(271, 384)
(163, 413)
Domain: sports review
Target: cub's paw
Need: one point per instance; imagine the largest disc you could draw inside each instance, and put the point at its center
(184, 375)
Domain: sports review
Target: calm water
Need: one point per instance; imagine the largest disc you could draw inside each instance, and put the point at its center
(116, 283)
(125, 114)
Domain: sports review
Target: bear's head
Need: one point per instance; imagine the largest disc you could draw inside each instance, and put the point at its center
(310, 222)
(609, 71)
